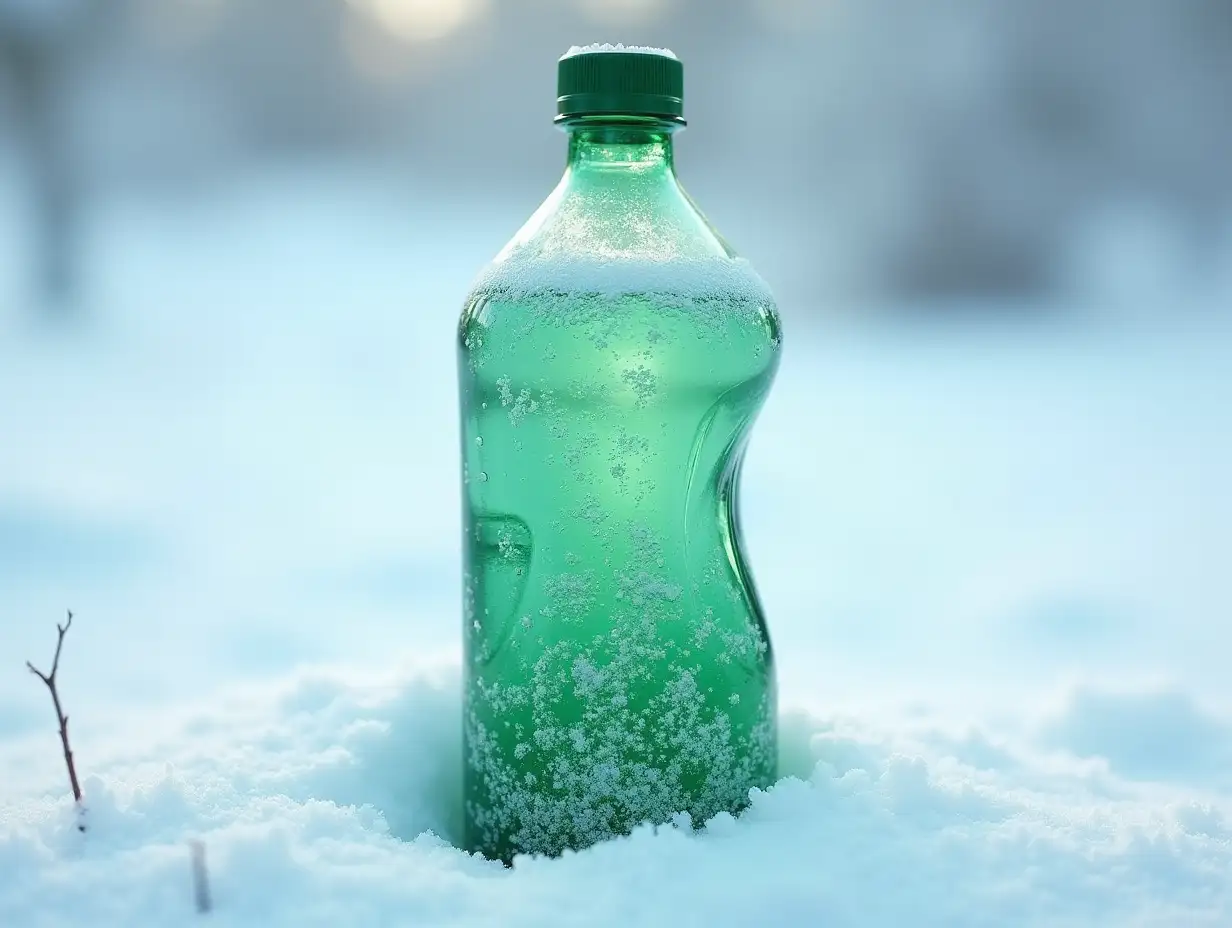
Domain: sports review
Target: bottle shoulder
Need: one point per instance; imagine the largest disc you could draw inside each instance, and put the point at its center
(611, 250)
(627, 231)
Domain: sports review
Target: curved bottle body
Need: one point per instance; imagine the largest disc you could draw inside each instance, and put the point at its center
(617, 664)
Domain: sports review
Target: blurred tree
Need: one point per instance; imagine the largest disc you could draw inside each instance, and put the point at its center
(37, 42)
(921, 148)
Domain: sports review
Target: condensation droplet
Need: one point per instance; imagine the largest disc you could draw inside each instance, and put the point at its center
(483, 476)
(479, 440)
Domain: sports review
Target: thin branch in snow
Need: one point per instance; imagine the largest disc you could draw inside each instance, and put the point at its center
(50, 680)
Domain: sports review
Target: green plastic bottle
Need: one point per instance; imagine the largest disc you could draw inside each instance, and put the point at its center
(612, 359)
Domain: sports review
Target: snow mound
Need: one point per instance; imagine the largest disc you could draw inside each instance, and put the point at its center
(333, 801)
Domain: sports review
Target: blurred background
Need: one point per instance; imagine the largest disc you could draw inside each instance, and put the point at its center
(861, 153)
(235, 236)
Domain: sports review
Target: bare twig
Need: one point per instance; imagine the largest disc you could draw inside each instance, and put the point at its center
(201, 877)
(50, 680)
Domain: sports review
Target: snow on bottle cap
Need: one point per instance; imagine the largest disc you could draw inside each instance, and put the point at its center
(609, 47)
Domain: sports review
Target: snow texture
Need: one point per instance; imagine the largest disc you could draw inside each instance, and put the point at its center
(328, 801)
(993, 558)
(608, 47)
(523, 274)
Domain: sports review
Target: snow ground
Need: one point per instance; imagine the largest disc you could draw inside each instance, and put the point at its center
(994, 558)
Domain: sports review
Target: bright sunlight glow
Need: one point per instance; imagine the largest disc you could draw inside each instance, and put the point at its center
(422, 20)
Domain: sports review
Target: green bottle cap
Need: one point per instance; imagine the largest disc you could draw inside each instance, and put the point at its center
(615, 80)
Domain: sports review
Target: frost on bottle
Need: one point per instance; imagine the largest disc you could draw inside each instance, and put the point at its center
(612, 359)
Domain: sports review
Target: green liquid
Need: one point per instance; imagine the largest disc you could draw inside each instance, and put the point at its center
(617, 665)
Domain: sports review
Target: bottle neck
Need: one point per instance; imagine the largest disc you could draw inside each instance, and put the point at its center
(597, 150)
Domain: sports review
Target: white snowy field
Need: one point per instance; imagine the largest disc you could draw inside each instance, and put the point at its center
(995, 559)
